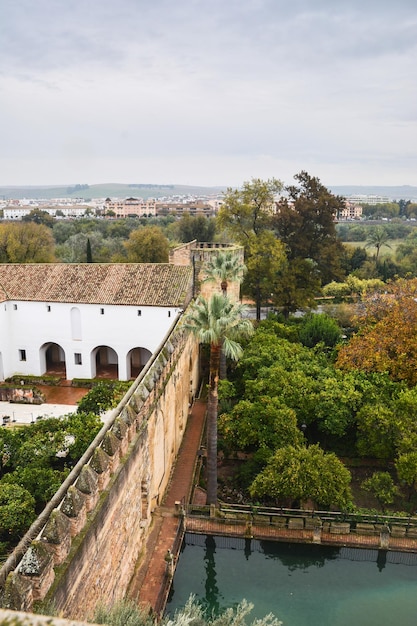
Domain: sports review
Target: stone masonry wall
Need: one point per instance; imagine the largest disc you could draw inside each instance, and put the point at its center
(87, 551)
(198, 254)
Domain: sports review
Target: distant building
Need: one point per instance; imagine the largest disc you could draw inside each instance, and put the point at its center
(351, 211)
(17, 212)
(368, 199)
(131, 207)
(181, 208)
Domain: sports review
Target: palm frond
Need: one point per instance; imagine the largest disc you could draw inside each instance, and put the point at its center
(217, 319)
(225, 266)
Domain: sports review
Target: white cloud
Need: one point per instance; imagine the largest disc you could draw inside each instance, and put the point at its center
(211, 93)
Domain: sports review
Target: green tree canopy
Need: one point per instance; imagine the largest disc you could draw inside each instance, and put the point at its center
(97, 400)
(305, 223)
(247, 214)
(301, 474)
(406, 466)
(39, 217)
(89, 253)
(249, 210)
(41, 482)
(296, 286)
(17, 511)
(265, 258)
(196, 227)
(378, 431)
(319, 328)
(75, 248)
(382, 486)
(265, 423)
(147, 245)
(81, 428)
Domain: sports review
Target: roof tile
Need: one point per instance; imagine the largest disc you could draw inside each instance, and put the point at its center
(140, 284)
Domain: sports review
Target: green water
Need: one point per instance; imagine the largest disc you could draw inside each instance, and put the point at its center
(303, 585)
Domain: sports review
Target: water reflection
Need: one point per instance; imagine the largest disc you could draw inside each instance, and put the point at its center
(248, 548)
(381, 560)
(302, 584)
(295, 556)
(211, 598)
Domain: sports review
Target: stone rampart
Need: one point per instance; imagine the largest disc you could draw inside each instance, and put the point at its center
(85, 549)
(198, 254)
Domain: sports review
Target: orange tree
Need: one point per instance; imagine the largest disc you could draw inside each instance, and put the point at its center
(387, 337)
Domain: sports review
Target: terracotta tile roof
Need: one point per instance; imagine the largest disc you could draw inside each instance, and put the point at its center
(141, 284)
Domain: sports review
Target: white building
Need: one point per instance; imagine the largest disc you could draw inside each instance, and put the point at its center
(78, 320)
(368, 199)
(11, 212)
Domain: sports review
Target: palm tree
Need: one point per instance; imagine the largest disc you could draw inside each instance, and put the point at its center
(217, 322)
(225, 267)
(377, 238)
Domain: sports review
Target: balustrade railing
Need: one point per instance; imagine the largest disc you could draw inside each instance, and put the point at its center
(359, 523)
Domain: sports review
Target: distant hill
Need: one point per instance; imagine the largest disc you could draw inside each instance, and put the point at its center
(406, 192)
(105, 190)
(117, 190)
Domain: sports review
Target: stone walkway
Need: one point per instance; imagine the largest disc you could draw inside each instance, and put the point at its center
(150, 577)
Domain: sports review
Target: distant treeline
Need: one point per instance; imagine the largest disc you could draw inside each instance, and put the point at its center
(75, 188)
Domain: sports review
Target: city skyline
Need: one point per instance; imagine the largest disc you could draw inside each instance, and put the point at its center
(208, 94)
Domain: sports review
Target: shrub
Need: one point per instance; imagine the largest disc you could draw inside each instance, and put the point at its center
(98, 400)
(319, 328)
(17, 511)
(381, 485)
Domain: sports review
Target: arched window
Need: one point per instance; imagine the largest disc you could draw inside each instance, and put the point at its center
(76, 324)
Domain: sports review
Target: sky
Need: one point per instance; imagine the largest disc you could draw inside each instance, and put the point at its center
(208, 92)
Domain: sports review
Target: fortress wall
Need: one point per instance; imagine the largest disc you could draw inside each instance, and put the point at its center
(198, 254)
(87, 551)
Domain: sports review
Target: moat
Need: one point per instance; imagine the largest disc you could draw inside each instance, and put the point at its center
(303, 585)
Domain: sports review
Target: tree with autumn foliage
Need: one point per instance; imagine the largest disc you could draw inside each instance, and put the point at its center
(387, 337)
(26, 243)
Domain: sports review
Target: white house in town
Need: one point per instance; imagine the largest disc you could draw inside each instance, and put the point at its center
(78, 320)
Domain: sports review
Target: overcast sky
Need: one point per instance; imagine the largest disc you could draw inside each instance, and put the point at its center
(208, 92)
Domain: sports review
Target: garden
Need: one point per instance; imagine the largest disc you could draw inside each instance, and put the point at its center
(36, 458)
(311, 417)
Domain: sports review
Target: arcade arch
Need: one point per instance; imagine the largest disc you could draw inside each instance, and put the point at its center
(52, 360)
(104, 363)
(136, 360)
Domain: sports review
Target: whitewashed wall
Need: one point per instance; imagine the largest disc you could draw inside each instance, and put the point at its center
(30, 325)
